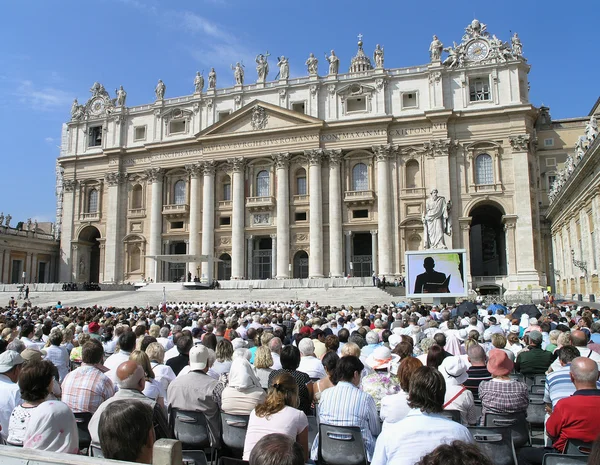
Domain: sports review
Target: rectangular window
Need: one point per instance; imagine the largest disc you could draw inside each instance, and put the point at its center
(409, 100)
(301, 185)
(551, 179)
(176, 224)
(479, 90)
(227, 191)
(360, 214)
(139, 133)
(549, 142)
(223, 114)
(95, 136)
(225, 220)
(550, 162)
(300, 216)
(299, 107)
(356, 104)
(176, 127)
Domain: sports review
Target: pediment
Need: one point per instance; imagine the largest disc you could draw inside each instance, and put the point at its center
(257, 117)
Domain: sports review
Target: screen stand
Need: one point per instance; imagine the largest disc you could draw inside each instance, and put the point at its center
(437, 301)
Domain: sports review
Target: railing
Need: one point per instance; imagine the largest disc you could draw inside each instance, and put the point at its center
(265, 201)
(23, 233)
(303, 198)
(414, 191)
(359, 196)
(90, 216)
(135, 212)
(487, 187)
(175, 209)
(225, 205)
(488, 279)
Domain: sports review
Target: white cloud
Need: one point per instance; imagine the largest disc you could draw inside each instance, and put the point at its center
(41, 98)
(196, 24)
(49, 140)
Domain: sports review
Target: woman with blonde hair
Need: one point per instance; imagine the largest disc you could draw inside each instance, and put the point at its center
(153, 389)
(164, 374)
(75, 355)
(278, 414)
(263, 361)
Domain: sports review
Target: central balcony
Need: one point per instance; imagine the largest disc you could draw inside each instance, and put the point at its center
(260, 204)
(359, 197)
(176, 211)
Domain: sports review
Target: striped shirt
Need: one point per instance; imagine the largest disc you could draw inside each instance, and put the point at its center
(84, 389)
(477, 374)
(346, 405)
(559, 385)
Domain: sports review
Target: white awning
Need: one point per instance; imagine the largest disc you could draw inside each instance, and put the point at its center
(180, 258)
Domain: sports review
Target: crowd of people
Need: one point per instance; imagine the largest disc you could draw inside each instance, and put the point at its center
(390, 370)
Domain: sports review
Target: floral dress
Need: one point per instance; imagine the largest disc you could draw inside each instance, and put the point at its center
(380, 384)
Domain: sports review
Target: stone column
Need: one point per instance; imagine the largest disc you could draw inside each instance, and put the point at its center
(65, 265)
(465, 230)
(155, 177)
(336, 263)
(238, 218)
(282, 260)
(112, 250)
(274, 256)
(511, 246)
(208, 219)
(315, 261)
(27, 269)
(194, 171)
(348, 245)
(250, 253)
(6, 266)
(34, 278)
(375, 261)
(384, 213)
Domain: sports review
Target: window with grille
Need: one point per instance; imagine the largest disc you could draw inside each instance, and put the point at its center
(262, 184)
(93, 201)
(301, 182)
(179, 192)
(227, 191)
(479, 90)
(360, 179)
(136, 197)
(484, 172)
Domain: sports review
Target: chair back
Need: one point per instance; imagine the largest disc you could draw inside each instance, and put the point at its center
(517, 422)
(496, 443)
(190, 428)
(341, 445)
(234, 431)
(539, 380)
(577, 447)
(83, 419)
(536, 411)
(538, 389)
(562, 459)
(450, 414)
(95, 451)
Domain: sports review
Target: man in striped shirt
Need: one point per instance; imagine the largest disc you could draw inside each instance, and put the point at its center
(478, 371)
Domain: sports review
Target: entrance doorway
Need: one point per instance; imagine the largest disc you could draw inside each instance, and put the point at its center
(224, 267)
(177, 270)
(301, 265)
(362, 258)
(17, 270)
(487, 242)
(41, 272)
(89, 261)
(261, 259)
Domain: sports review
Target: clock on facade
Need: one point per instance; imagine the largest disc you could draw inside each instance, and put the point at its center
(477, 50)
(97, 106)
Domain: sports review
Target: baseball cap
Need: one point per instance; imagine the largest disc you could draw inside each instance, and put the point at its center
(198, 357)
(9, 359)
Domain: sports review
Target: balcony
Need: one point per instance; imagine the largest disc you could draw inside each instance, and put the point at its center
(487, 188)
(136, 212)
(260, 204)
(300, 199)
(224, 205)
(359, 197)
(414, 192)
(94, 216)
(176, 211)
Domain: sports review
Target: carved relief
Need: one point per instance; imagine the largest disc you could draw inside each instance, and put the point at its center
(335, 156)
(259, 118)
(261, 219)
(236, 164)
(439, 148)
(301, 237)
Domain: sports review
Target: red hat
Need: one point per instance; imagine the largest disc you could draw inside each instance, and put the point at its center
(305, 330)
(93, 327)
(499, 364)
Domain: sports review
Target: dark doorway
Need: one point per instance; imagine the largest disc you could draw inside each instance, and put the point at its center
(224, 267)
(261, 260)
(177, 271)
(89, 237)
(362, 255)
(487, 242)
(301, 265)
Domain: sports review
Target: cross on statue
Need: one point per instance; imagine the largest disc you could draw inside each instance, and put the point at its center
(360, 36)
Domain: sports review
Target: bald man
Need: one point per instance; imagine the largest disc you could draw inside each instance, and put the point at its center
(131, 380)
(580, 341)
(574, 417)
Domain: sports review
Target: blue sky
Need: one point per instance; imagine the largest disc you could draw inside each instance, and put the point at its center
(52, 51)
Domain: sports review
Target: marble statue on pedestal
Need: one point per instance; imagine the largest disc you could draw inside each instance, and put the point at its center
(312, 64)
(198, 83)
(1, 218)
(517, 46)
(8, 218)
(212, 79)
(591, 129)
(76, 110)
(580, 148)
(160, 90)
(238, 73)
(121, 96)
(284, 67)
(436, 221)
(28, 224)
(378, 56)
(262, 66)
(35, 225)
(435, 49)
(334, 62)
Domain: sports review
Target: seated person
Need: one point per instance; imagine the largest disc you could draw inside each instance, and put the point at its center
(244, 390)
(290, 361)
(457, 452)
(52, 428)
(277, 449)
(535, 360)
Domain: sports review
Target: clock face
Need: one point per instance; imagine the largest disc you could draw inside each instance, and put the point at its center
(477, 50)
(97, 106)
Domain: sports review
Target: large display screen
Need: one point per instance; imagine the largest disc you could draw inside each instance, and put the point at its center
(436, 273)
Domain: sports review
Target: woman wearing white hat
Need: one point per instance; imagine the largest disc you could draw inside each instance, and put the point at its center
(454, 371)
(382, 382)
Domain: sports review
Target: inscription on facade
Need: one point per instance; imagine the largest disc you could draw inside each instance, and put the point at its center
(157, 157)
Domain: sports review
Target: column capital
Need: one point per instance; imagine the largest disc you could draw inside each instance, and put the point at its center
(439, 147)
(314, 156)
(281, 160)
(69, 185)
(348, 233)
(335, 156)
(519, 143)
(209, 168)
(155, 174)
(114, 179)
(273, 236)
(193, 170)
(236, 163)
(509, 221)
(465, 223)
(373, 232)
(383, 152)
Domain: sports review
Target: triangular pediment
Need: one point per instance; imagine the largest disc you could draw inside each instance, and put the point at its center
(257, 117)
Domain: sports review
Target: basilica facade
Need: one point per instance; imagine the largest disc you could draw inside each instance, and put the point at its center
(318, 176)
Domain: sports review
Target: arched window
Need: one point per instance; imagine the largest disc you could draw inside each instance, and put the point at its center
(136, 197)
(301, 182)
(226, 188)
(93, 201)
(360, 178)
(484, 172)
(262, 184)
(135, 259)
(412, 174)
(179, 192)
